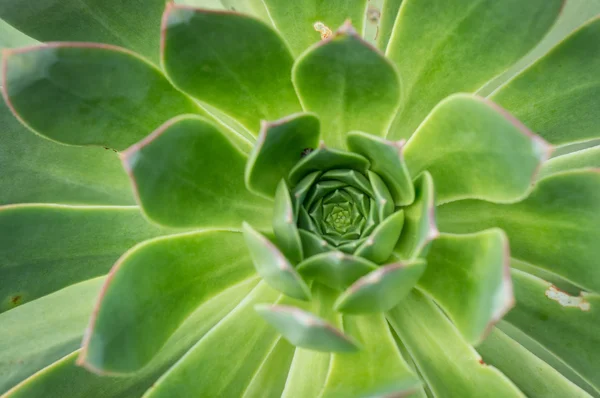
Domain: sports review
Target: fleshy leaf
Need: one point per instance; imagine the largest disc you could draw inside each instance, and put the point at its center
(349, 84)
(565, 325)
(103, 21)
(312, 244)
(389, 13)
(189, 174)
(284, 225)
(378, 369)
(335, 269)
(419, 220)
(297, 21)
(231, 61)
(443, 47)
(469, 278)
(381, 289)
(50, 90)
(555, 228)
(273, 267)
(11, 37)
(380, 244)
(384, 202)
(558, 95)
(306, 330)
(155, 286)
(448, 364)
(480, 152)
(387, 160)
(586, 158)
(279, 146)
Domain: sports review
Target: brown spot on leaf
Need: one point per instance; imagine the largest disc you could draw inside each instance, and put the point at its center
(16, 300)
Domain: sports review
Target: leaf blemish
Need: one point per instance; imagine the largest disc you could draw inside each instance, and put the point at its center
(566, 300)
(320, 27)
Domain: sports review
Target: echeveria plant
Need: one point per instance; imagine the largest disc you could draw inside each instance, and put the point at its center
(300, 198)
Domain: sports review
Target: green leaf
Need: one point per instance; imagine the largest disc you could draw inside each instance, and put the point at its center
(384, 202)
(12, 38)
(351, 177)
(555, 228)
(240, 335)
(49, 90)
(131, 24)
(565, 325)
(45, 248)
(381, 289)
(231, 61)
(448, 364)
(419, 220)
(155, 286)
(43, 331)
(48, 172)
(279, 146)
(558, 95)
(380, 244)
(306, 330)
(349, 84)
(296, 20)
(251, 7)
(312, 244)
(189, 174)
(469, 278)
(284, 225)
(532, 375)
(585, 158)
(480, 152)
(387, 160)
(389, 13)
(273, 267)
(444, 47)
(378, 369)
(323, 159)
(335, 269)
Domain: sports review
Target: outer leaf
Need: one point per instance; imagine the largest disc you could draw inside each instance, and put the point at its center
(558, 96)
(381, 289)
(279, 146)
(376, 370)
(449, 365)
(387, 160)
(45, 248)
(132, 24)
(284, 225)
(566, 325)
(49, 90)
(380, 244)
(532, 375)
(273, 267)
(438, 45)
(252, 7)
(155, 286)
(187, 173)
(38, 170)
(480, 151)
(231, 61)
(555, 228)
(349, 84)
(586, 158)
(12, 38)
(469, 278)
(335, 269)
(389, 13)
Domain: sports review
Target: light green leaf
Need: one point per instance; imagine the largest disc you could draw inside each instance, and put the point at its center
(380, 244)
(349, 84)
(231, 61)
(389, 13)
(131, 24)
(558, 95)
(585, 158)
(378, 369)
(273, 267)
(307, 374)
(36, 170)
(335, 269)
(469, 278)
(532, 375)
(443, 47)
(387, 160)
(555, 228)
(381, 289)
(565, 325)
(284, 225)
(155, 286)
(449, 365)
(473, 149)
(279, 146)
(189, 174)
(419, 220)
(45, 248)
(43, 331)
(296, 20)
(12, 38)
(49, 88)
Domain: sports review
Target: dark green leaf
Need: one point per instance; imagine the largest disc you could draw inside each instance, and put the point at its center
(380, 244)
(335, 269)
(284, 225)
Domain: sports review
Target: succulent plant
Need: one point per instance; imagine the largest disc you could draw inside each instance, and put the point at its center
(300, 198)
